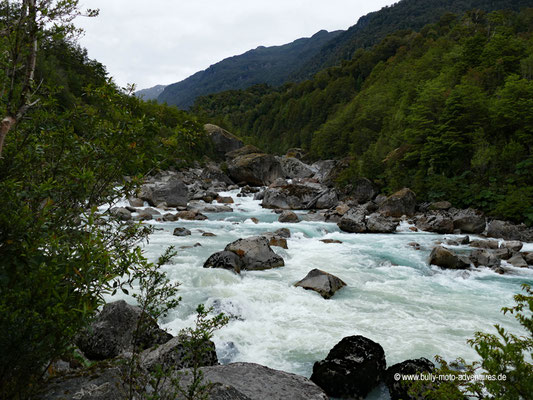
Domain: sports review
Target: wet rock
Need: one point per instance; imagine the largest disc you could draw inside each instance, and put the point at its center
(485, 244)
(503, 253)
(485, 258)
(223, 141)
(260, 383)
(299, 196)
(181, 232)
(225, 260)
(173, 192)
(352, 368)
(224, 200)
(255, 253)
(176, 354)
(112, 332)
(170, 217)
(504, 230)
(353, 222)
(135, 202)
(321, 282)
(255, 169)
(121, 213)
(288, 216)
(513, 245)
(398, 204)
(143, 215)
(414, 245)
(528, 257)
(283, 232)
(518, 261)
(447, 259)
(294, 168)
(191, 215)
(409, 367)
(278, 242)
(377, 223)
(209, 208)
(469, 220)
(435, 222)
(330, 241)
(464, 240)
(208, 234)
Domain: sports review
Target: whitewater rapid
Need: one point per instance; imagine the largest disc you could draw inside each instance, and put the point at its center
(392, 296)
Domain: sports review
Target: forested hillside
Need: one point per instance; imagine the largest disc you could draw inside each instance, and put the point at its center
(445, 111)
(405, 14)
(271, 65)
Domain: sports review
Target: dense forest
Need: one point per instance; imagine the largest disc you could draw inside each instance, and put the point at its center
(445, 111)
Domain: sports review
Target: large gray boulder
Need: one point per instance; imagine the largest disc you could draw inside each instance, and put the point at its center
(173, 192)
(353, 367)
(258, 382)
(113, 332)
(225, 260)
(255, 169)
(294, 168)
(486, 258)
(299, 196)
(439, 222)
(255, 253)
(503, 229)
(363, 190)
(377, 223)
(469, 220)
(353, 221)
(325, 169)
(445, 258)
(222, 140)
(403, 202)
(397, 390)
(321, 282)
(288, 216)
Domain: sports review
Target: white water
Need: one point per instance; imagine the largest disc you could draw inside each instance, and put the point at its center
(392, 296)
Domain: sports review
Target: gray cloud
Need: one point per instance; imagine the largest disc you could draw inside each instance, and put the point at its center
(165, 41)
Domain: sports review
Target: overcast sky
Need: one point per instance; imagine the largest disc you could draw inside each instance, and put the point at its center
(150, 42)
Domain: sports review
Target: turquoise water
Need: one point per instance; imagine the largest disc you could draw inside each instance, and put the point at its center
(392, 296)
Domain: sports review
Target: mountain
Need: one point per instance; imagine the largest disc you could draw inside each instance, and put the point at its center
(150, 93)
(375, 26)
(270, 65)
(444, 111)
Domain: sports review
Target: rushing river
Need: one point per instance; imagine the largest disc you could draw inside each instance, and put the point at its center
(392, 296)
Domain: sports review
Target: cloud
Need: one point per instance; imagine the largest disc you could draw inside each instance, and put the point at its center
(165, 41)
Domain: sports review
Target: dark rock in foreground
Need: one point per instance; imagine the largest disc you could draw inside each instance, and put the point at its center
(112, 332)
(321, 282)
(409, 367)
(260, 383)
(181, 232)
(225, 260)
(352, 368)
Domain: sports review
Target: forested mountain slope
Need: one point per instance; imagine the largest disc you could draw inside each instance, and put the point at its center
(445, 111)
(405, 14)
(271, 65)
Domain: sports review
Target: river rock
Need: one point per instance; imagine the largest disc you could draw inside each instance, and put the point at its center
(321, 282)
(469, 220)
(398, 204)
(513, 245)
(440, 206)
(191, 215)
(258, 382)
(299, 196)
(224, 200)
(485, 244)
(439, 222)
(485, 258)
(180, 231)
(503, 229)
(255, 169)
(377, 223)
(225, 260)
(353, 221)
(331, 241)
(122, 213)
(518, 261)
(294, 168)
(324, 170)
(288, 216)
(135, 202)
(170, 217)
(112, 332)
(409, 367)
(363, 190)
(213, 173)
(174, 192)
(209, 208)
(352, 368)
(445, 258)
(176, 354)
(243, 151)
(255, 253)
(223, 141)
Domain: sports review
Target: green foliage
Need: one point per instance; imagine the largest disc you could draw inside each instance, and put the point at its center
(445, 111)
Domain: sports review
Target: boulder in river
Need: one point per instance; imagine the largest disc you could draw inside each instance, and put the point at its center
(353, 367)
(353, 221)
(298, 196)
(288, 216)
(468, 220)
(377, 223)
(180, 231)
(503, 229)
(321, 282)
(255, 253)
(439, 222)
(518, 261)
(403, 202)
(223, 140)
(445, 258)
(255, 169)
(173, 192)
(225, 260)
(294, 168)
(363, 190)
(409, 367)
